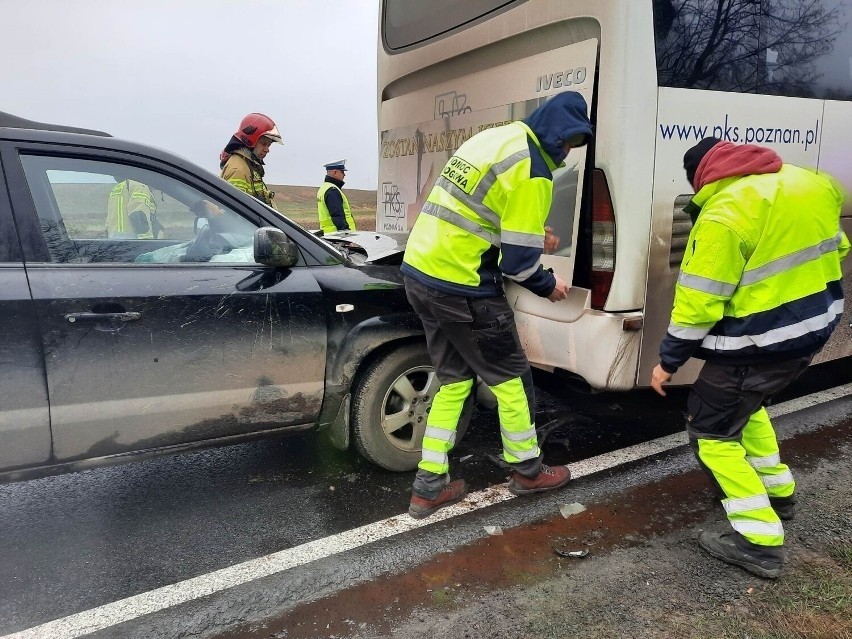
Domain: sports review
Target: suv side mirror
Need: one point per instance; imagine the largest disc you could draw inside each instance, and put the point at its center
(272, 247)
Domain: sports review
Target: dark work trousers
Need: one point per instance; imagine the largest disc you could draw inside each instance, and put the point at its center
(733, 440)
(469, 337)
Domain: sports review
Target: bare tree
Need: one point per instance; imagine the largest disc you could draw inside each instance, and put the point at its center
(766, 46)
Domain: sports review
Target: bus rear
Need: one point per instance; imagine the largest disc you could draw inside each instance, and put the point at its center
(448, 70)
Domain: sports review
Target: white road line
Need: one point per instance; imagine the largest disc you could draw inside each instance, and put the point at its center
(117, 612)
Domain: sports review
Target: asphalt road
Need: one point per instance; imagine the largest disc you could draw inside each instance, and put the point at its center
(76, 542)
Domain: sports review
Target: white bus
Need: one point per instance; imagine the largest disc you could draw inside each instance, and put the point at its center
(658, 75)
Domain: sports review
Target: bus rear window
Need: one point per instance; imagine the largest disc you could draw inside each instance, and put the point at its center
(793, 48)
(409, 22)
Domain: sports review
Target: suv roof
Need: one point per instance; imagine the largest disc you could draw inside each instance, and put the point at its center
(7, 120)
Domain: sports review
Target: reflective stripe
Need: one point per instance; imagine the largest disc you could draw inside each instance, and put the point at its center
(474, 201)
(757, 527)
(777, 480)
(689, 333)
(523, 455)
(519, 437)
(445, 214)
(706, 285)
(501, 167)
(522, 239)
(790, 261)
(442, 434)
(764, 462)
(242, 185)
(475, 205)
(525, 274)
(776, 335)
(744, 504)
(435, 457)
(141, 196)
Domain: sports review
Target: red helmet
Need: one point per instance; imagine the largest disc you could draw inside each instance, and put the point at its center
(255, 126)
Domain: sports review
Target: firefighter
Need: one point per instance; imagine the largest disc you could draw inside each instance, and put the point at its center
(132, 212)
(332, 205)
(484, 220)
(759, 293)
(241, 160)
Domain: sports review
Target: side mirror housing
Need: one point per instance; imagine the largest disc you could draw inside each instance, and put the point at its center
(272, 247)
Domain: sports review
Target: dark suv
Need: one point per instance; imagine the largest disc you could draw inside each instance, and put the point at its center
(228, 322)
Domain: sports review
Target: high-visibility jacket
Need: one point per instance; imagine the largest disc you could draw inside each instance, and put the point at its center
(245, 172)
(485, 216)
(132, 212)
(339, 219)
(761, 276)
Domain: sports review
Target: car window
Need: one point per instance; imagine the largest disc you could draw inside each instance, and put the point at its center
(94, 211)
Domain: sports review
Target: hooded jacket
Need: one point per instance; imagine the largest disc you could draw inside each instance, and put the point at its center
(761, 277)
(484, 218)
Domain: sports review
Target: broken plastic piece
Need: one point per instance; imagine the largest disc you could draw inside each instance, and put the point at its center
(571, 553)
(571, 509)
(493, 530)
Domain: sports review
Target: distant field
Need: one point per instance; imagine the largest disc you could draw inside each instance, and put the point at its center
(299, 203)
(84, 208)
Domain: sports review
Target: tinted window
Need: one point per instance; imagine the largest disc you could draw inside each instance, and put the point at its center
(92, 211)
(779, 47)
(407, 22)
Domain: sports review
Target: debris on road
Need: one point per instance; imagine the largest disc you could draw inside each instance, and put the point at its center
(571, 509)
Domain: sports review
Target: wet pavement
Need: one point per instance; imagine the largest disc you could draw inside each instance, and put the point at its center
(78, 541)
(521, 556)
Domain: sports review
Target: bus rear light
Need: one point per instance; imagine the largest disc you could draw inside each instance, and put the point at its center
(603, 239)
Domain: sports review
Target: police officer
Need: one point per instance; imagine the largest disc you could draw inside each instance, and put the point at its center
(484, 220)
(241, 160)
(332, 205)
(759, 293)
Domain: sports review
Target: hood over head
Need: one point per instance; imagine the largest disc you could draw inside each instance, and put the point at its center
(561, 118)
(712, 159)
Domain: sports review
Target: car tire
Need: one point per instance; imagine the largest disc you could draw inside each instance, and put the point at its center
(390, 407)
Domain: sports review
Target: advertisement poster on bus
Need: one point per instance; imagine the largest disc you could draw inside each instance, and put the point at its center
(433, 122)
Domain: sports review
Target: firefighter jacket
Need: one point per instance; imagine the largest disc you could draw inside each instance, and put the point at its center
(333, 207)
(761, 276)
(245, 171)
(132, 212)
(484, 218)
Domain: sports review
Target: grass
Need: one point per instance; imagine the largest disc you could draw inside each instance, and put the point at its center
(84, 209)
(812, 601)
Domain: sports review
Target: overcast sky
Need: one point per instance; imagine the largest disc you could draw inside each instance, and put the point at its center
(181, 74)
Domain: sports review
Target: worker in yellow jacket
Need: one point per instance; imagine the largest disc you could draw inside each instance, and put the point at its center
(759, 293)
(241, 160)
(484, 221)
(132, 212)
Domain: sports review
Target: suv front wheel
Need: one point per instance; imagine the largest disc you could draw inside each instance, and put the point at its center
(391, 405)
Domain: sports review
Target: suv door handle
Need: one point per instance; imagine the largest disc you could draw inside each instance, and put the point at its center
(100, 317)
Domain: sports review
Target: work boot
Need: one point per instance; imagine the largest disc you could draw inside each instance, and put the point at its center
(784, 507)
(548, 478)
(733, 548)
(453, 492)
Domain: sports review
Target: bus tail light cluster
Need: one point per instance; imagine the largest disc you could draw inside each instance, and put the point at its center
(603, 239)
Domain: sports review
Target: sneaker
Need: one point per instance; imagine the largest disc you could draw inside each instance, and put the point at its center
(548, 478)
(763, 561)
(784, 507)
(452, 493)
